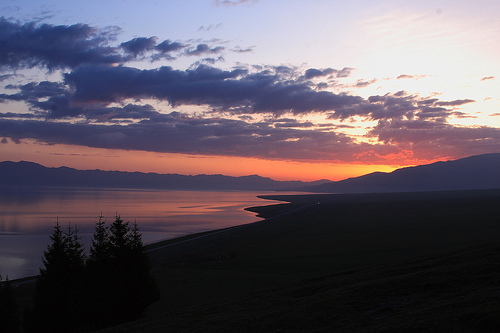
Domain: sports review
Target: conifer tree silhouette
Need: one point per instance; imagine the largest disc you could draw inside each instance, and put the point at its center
(98, 279)
(135, 288)
(56, 301)
(100, 247)
(114, 284)
(118, 274)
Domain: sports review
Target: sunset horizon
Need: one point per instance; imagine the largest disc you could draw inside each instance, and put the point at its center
(320, 91)
(311, 171)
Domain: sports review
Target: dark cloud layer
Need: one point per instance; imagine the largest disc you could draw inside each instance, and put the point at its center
(204, 85)
(30, 45)
(100, 102)
(174, 133)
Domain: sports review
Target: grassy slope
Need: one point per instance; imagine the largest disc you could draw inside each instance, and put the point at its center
(345, 264)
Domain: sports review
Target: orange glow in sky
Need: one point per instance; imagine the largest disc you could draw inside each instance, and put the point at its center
(324, 90)
(84, 158)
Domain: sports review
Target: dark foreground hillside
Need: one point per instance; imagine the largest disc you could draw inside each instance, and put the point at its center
(448, 293)
(426, 262)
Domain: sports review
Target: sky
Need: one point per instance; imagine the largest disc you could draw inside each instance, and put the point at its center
(292, 90)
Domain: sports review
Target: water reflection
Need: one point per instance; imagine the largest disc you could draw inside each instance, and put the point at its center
(27, 216)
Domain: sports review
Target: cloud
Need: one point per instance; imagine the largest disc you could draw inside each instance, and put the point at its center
(13, 115)
(488, 78)
(432, 139)
(142, 127)
(35, 90)
(399, 106)
(362, 83)
(239, 91)
(428, 101)
(33, 45)
(139, 45)
(30, 45)
(165, 49)
(314, 72)
(210, 27)
(405, 76)
(111, 84)
(202, 49)
(168, 46)
(292, 123)
(261, 92)
(408, 76)
(6, 77)
(32, 92)
(344, 72)
(248, 110)
(229, 3)
(181, 134)
(238, 49)
(282, 139)
(457, 102)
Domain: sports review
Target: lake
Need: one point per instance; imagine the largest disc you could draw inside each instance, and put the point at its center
(28, 215)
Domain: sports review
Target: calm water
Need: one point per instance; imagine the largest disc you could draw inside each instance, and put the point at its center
(27, 217)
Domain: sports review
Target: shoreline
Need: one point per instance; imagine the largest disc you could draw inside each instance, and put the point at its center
(292, 203)
(325, 253)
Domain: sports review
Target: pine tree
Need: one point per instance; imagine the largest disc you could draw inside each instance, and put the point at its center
(133, 287)
(100, 248)
(114, 285)
(74, 250)
(120, 263)
(99, 280)
(76, 268)
(118, 240)
(56, 301)
(135, 239)
(143, 288)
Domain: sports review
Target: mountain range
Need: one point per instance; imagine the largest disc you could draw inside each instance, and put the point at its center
(33, 174)
(470, 173)
(475, 172)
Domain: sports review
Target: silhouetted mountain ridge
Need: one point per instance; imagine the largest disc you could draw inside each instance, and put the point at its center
(471, 173)
(475, 172)
(32, 174)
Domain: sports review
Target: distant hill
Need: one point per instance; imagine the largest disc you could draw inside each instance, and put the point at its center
(475, 172)
(471, 173)
(33, 174)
